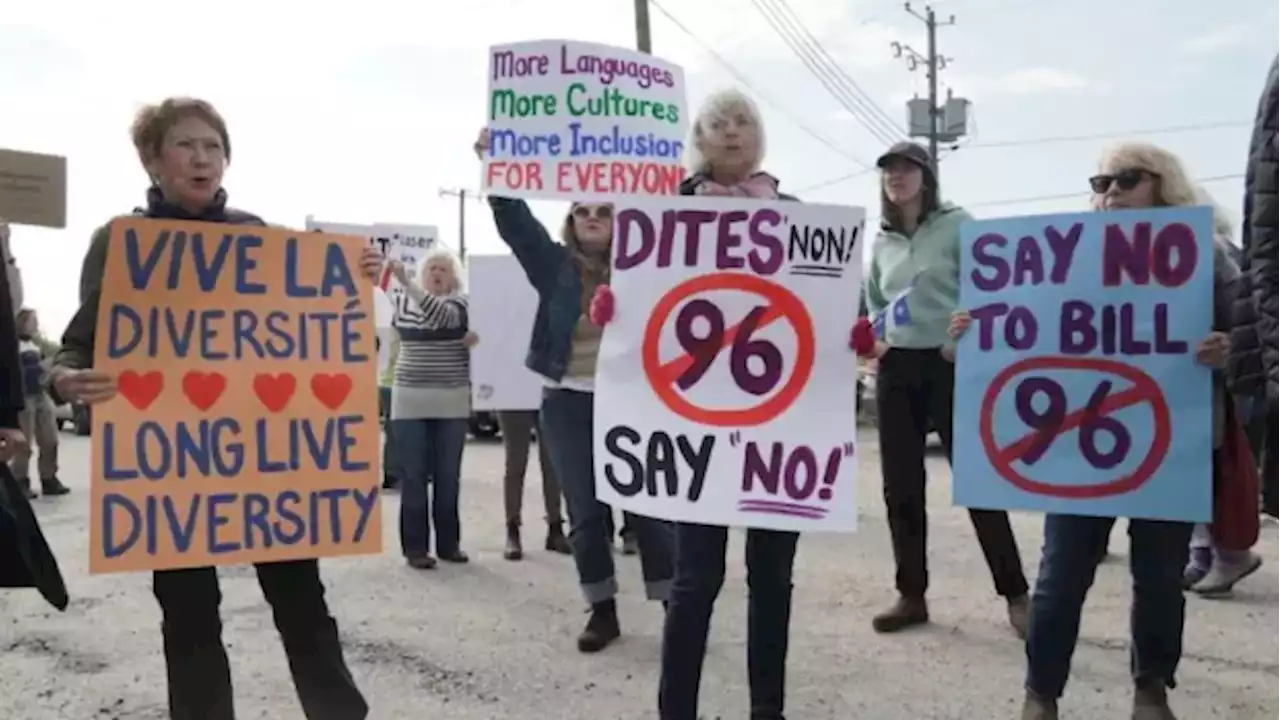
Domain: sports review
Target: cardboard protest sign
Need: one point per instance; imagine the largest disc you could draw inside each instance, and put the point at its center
(726, 393)
(577, 121)
(33, 189)
(246, 428)
(1077, 386)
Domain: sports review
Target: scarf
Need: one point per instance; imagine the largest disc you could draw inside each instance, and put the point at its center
(760, 185)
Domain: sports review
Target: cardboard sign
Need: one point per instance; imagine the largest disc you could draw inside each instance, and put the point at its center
(246, 425)
(33, 189)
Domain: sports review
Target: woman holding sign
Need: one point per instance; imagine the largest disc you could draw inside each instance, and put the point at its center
(184, 147)
(912, 288)
(562, 349)
(1132, 176)
(725, 151)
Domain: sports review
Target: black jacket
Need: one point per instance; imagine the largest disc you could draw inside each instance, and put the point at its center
(25, 558)
(1254, 326)
(78, 339)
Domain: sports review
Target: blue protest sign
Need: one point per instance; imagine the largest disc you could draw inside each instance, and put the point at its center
(1077, 388)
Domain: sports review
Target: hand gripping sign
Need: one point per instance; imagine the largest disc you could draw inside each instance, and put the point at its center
(725, 392)
(1077, 387)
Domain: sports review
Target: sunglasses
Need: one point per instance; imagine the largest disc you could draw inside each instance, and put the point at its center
(1125, 180)
(601, 212)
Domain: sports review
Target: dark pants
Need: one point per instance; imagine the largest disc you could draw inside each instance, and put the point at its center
(567, 428)
(700, 563)
(517, 434)
(196, 661)
(390, 460)
(915, 389)
(1267, 466)
(430, 453)
(1073, 547)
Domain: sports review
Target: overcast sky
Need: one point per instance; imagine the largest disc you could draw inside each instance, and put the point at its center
(360, 112)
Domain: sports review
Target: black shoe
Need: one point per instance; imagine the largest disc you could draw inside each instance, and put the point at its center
(514, 550)
(390, 483)
(457, 557)
(26, 489)
(53, 486)
(602, 627)
(556, 541)
(905, 613)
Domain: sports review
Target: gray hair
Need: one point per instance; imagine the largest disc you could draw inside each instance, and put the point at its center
(719, 106)
(438, 254)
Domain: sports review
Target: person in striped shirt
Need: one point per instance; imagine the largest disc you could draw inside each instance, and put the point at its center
(430, 404)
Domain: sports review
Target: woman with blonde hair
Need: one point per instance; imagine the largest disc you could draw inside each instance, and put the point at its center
(1130, 176)
(430, 405)
(563, 347)
(184, 148)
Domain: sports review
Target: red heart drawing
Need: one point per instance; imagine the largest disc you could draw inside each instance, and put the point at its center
(332, 390)
(140, 389)
(274, 390)
(203, 389)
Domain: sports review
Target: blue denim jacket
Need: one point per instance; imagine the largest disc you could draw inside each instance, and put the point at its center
(553, 276)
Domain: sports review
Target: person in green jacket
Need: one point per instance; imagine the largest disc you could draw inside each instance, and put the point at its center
(912, 289)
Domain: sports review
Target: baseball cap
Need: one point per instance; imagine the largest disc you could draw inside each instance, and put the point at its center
(909, 151)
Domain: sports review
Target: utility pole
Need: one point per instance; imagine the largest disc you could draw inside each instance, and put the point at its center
(463, 195)
(644, 41)
(924, 117)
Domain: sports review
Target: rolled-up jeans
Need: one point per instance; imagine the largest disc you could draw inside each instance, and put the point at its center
(430, 453)
(1073, 547)
(567, 428)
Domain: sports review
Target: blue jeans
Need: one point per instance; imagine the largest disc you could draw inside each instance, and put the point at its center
(567, 428)
(700, 564)
(430, 453)
(1073, 547)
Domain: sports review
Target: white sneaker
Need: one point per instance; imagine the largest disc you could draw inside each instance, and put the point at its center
(1222, 577)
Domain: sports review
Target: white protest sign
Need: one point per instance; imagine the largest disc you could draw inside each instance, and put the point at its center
(500, 309)
(577, 121)
(726, 391)
(406, 243)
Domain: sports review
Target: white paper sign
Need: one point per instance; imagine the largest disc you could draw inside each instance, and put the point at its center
(574, 120)
(406, 243)
(726, 391)
(501, 305)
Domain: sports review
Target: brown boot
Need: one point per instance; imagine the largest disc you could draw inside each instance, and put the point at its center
(905, 613)
(556, 541)
(602, 628)
(1038, 708)
(1020, 615)
(1150, 702)
(514, 550)
(53, 486)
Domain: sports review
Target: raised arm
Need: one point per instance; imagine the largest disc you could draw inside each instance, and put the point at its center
(437, 313)
(539, 255)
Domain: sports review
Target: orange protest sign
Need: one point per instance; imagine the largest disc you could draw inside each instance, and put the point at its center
(246, 427)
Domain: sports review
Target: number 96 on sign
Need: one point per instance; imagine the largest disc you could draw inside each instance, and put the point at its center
(715, 354)
(1075, 427)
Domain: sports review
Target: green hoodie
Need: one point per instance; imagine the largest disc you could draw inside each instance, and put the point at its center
(915, 280)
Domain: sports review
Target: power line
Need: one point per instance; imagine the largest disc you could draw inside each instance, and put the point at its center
(819, 61)
(1070, 195)
(748, 84)
(1167, 130)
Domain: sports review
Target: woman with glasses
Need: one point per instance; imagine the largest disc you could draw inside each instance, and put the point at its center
(563, 348)
(1131, 176)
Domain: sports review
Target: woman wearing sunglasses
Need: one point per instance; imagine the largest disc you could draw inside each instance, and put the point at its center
(1131, 176)
(562, 349)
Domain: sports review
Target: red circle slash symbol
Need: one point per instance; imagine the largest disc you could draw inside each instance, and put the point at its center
(1091, 421)
(669, 378)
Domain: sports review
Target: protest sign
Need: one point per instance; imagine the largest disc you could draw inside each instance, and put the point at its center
(246, 428)
(725, 391)
(407, 244)
(500, 310)
(33, 189)
(1077, 386)
(577, 121)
